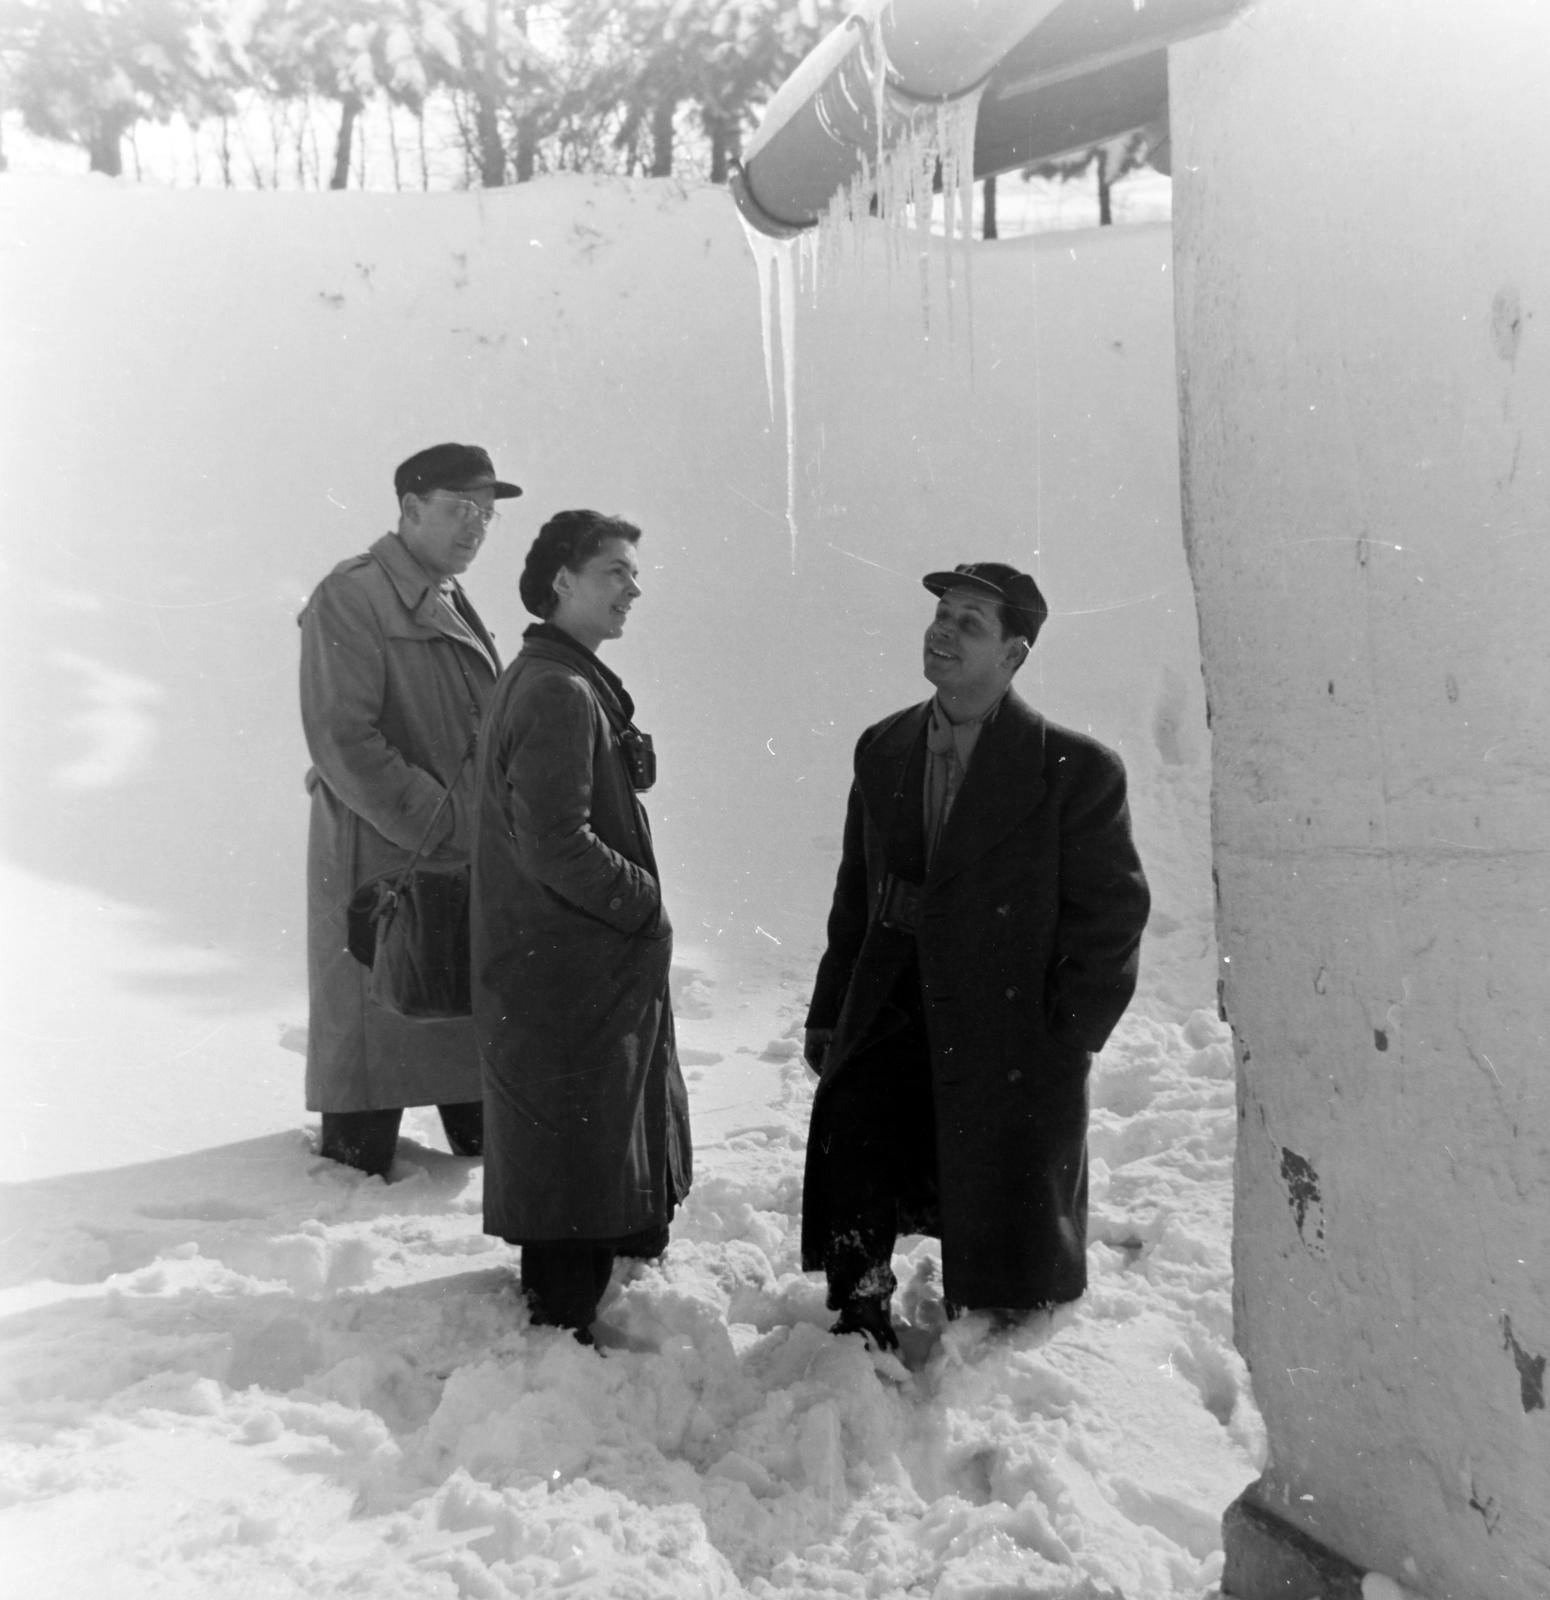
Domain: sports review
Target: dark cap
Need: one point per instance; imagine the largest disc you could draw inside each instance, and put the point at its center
(450, 466)
(999, 581)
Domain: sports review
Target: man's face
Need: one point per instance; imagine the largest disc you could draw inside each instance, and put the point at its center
(965, 652)
(596, 600)
(444, 528)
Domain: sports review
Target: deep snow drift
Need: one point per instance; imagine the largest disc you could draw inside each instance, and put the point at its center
(231, 1369)
(247, 1371)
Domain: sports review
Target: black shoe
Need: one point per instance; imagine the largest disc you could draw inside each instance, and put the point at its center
(582, 1336)
(869, 1318)
(463, 1124)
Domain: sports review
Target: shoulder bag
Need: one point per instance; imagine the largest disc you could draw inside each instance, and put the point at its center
(412, 933)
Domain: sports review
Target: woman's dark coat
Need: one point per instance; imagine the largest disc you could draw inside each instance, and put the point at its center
(1028, 944)
(586, 1131)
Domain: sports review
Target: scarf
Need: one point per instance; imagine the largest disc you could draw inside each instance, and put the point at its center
(949, 749)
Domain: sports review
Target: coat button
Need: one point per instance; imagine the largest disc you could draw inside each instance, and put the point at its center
(615, 903)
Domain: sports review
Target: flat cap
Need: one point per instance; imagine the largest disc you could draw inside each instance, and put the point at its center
(450, 466)
(994, 578)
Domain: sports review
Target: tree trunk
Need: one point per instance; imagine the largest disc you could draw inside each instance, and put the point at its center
(398, 182)
(723, 146)
(1105, 211)
(988, 230)
(492, 153)
(278, 117)
(527, 121)
(662, 138)
(349, 110)
(105, 145)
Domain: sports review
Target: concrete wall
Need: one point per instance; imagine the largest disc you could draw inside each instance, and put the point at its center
(1363, 313)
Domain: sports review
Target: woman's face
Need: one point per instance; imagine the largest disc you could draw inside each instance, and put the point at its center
(595, 600)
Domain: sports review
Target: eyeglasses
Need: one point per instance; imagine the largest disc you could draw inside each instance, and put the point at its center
(471, 510)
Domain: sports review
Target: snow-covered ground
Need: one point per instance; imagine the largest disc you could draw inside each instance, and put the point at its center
(229, 1369)
(246, 1371)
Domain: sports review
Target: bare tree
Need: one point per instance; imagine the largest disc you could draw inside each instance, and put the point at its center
(648, 85)
(644, 61)
(299, 49)
(1110, 162)
(86, 71)
(492, 153)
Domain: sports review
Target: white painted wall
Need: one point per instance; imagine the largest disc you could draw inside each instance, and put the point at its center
(203, 395)
(1363, 245)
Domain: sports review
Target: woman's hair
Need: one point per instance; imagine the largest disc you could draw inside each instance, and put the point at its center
(568, 539)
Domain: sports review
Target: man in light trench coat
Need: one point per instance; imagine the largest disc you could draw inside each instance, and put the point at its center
(396, 671)
(983, 942)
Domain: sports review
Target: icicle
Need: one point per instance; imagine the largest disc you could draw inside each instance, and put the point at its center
(765, 251)
(914, 140)
(879, 84)
(948, 156)
(895, 189)
(955, 127)
(967, 192)
(777, 259)
(785, 273)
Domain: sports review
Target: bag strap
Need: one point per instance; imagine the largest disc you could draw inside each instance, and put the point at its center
(615, 714)
(606, 699)
(621, 724)
(446, 794)
(441, 806)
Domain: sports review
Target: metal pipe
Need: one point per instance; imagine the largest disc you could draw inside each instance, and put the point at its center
(822, 124)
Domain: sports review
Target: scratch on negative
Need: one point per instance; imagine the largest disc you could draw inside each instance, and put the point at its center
(1120, 605)
(1335, 538)
(863, 560)
(754, 503)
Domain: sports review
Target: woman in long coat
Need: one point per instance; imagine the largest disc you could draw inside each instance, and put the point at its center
(587, 1148)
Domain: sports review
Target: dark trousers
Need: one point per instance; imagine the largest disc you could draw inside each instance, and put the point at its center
(878, 1154)
(564, 1279)
(367, 1139)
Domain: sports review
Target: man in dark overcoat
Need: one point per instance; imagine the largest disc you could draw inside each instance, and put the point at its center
(983, 941)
